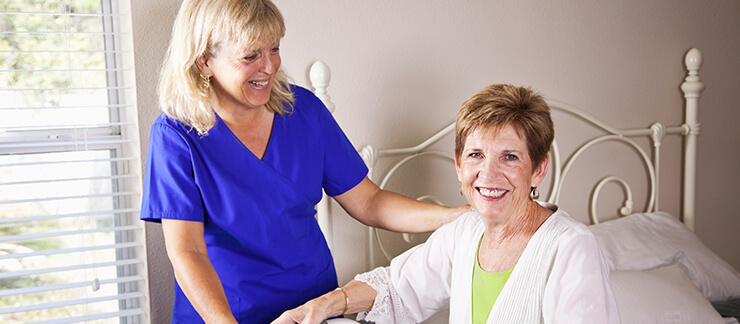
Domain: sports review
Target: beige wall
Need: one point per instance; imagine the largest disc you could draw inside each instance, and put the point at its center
(400, 69)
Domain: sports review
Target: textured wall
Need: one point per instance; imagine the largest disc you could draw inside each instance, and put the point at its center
(152, 21)
(400, 70)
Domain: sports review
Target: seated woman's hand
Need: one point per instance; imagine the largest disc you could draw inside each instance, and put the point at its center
(312, 312)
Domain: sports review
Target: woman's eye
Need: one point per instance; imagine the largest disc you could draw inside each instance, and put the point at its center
(511, 157)
(275, 50)
(474, 155)
(250, 57)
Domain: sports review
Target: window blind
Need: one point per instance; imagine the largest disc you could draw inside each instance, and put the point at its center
(71, 245)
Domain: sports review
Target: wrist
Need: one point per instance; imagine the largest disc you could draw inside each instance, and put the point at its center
(225, 319)
(335, 303)
(344, 300)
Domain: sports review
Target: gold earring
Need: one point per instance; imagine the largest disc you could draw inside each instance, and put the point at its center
(206, 82)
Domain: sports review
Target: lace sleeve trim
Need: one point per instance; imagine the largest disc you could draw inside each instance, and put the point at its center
(388, 306)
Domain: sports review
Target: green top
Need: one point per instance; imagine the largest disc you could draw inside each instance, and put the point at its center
(486, 288)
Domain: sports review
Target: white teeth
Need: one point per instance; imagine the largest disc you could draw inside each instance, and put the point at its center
(258, 84)
(492, 193)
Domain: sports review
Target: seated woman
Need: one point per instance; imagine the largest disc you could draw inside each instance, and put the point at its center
(510, 260)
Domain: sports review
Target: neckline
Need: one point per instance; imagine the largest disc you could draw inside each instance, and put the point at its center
(270, 138)
(488, 273)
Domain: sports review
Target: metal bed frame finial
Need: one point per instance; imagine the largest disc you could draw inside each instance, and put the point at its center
(320, 76)
(692, 88)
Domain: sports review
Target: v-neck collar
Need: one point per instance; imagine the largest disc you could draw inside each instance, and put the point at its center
(270, 138)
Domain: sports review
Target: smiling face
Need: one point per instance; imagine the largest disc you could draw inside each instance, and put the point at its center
(496, 173)
(242, 77)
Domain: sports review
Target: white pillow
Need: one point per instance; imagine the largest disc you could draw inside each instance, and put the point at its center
(649, 240)
(662, 295)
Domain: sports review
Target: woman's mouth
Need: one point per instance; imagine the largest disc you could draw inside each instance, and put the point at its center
(491, 193)
(259, 84)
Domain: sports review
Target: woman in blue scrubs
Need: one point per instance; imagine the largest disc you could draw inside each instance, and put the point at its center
(236, 164)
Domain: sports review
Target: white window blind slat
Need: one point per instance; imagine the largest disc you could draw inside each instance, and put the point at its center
(58, 70)
(124, 159)
(70, 303)
(103, 195)
(33, 33)
(98, 129)
(64, 107)
(14, 274)
(117, 177)
(61, 14)
(129, 312)
(65, 88)
(19, 256)
(61, 137)
(98, 213)
(67, 127)
(26, 237)
(57, 52)
(58, 287)
(70, 182)
(75, 145)
(57, 132)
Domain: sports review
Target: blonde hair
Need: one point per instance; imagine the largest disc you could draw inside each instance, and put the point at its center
(200, 27)
(501, 105)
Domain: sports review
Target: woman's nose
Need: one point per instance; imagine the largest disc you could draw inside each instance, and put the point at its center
(268, 64)
(489, 169)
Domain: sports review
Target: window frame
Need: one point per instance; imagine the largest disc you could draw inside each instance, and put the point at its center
(120, 136)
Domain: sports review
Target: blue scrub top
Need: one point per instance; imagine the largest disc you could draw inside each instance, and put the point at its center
(258, 215)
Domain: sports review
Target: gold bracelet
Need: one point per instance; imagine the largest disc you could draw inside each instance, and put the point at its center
(346, 300)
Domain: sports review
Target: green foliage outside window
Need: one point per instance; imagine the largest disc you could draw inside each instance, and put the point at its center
(46, 65)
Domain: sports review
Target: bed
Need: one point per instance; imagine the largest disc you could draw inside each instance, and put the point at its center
(660, 271)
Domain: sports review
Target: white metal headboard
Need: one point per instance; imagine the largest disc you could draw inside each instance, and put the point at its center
(689, 130)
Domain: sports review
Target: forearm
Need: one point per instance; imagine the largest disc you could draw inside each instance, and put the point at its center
(398, 213)
(199, 281)
(186, 248)
(359, 297)
(385, 209)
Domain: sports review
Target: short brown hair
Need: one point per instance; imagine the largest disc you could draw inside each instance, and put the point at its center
(501, 105)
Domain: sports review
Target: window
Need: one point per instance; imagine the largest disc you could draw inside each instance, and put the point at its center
(71, 245)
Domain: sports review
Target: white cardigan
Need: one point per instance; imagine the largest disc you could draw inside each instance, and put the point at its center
(561, 277)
